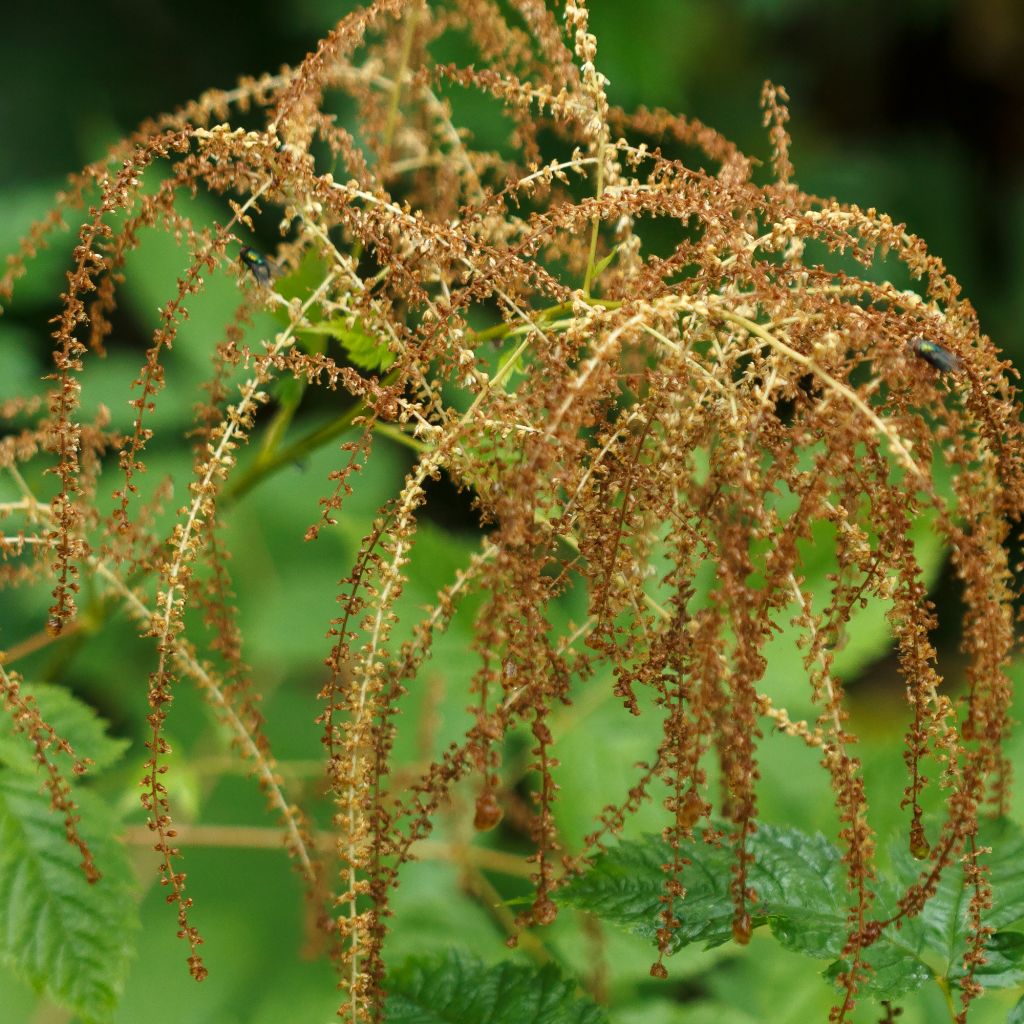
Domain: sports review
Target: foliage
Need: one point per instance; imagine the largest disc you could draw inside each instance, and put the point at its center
(712, 453)
(459, 988)
(800, 894)
(64, 931)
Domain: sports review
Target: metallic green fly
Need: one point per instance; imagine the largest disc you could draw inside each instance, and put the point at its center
(936, 355)
(259, 266)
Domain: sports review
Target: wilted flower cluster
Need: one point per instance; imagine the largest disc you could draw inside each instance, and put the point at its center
(683, 388)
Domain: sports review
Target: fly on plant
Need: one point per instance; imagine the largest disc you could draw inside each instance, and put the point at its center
(936, 355)
(259, 266)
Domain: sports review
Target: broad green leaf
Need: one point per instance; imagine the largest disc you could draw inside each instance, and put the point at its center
(430, 916)
(943, 925)
(72, 720)
(625, 886)
(288, 390)
(460, 989)
(944, 919)
(702, 1011)
(867, 635)
(1006, 840)
(801, 886)
(20, 362)
(894, 972)
(599, 746)
(1004, 953)
(66, 937)
(800, 881)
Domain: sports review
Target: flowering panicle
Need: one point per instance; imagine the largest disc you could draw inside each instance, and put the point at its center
(659, 402)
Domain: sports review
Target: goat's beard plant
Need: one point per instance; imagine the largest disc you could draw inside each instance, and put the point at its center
(671, 435)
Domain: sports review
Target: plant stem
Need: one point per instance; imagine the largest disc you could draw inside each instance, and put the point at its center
(947, 995)
(399, 436)
(503, 330)
(256, 837)
(263, 466)
(595, 226)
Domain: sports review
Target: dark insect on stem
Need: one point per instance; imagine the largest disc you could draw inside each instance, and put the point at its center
(936, 355)
(258, 264)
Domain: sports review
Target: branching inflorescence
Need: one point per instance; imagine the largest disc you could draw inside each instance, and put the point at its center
(681, 383)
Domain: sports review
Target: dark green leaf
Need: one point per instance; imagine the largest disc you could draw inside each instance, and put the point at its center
(69, 938)
(894, 972)
(801, 884)
(895, 960)
(626, 884)
(944, 919)
(802, 896)
(1004, 953)
(73, 721)
(799, 880)
(459, 989)
(1006, 840)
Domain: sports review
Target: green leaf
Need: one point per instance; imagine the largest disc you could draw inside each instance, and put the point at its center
(625, 886)
(72, 720)
(1016, 1015)
(1006, 840)
(799, 879)
(1004, 953)
(699, 1011)
(894, 971)
(945, 920)
(603, 264)
(460, 989)
(867, 634)
(288, 391)
(66, 937)
(151, 275)
(365, 351)
(20, 207)
(301, 282)
(801, 886)
(506, 357)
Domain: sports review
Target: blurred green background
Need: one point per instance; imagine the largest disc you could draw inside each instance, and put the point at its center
(914, 108)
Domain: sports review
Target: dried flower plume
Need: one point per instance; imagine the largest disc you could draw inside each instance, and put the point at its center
(640, 365)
